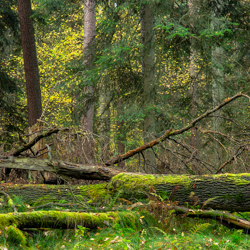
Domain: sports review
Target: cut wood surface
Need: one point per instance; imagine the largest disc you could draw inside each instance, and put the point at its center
(229, 192)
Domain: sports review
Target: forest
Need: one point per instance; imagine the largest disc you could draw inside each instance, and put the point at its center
(124, 124)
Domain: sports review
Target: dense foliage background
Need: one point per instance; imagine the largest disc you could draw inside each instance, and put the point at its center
(201, 51)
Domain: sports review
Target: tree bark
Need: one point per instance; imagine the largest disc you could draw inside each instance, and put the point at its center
(89, 58)
(30, 62)
(148, 65)
(229, 192)
(62, 168)
(194, 71)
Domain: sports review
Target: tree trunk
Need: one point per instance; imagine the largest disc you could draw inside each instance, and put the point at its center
(148, 64)
(30, 62)
(104, 127)
(218, 87)
(194, 71)
(222, 192)
(121, 133)
(66, 220)
(62, 168)
(89, 58)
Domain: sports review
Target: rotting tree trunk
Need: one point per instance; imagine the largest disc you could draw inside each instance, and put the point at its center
(70, 220)
(221, 192)
(62, 168)
(66, 220)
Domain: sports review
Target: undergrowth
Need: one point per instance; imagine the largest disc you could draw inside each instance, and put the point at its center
(156, 229)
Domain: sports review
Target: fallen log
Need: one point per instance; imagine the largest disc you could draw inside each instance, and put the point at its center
(229, 192)
(229, 220)
(62, 168)
(67, 220)
(71, 220)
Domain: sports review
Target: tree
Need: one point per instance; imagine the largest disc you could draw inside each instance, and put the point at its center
(148, 65)
(194, 72)
(89, 58)
(30, 62)
(12, 113)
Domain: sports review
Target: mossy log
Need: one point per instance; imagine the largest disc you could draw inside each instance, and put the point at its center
(229, 192)
(68, 220)
(132, 219)
(229, 220)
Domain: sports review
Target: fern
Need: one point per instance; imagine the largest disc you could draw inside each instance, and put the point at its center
(198, 228)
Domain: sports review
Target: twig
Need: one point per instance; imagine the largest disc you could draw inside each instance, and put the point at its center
(162, 162)
(240, 150)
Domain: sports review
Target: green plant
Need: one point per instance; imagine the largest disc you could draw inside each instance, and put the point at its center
(81, 231)
(15, 236)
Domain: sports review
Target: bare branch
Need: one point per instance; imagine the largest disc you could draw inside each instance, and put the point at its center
(170, 132)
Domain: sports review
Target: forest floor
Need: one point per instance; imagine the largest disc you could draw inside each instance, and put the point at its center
(175, 232)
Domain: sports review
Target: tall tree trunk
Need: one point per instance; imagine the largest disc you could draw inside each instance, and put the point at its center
(218, 92)
(30, 62)
(218, 88)
(121, 133)
(194, 71)
(31, 70)
(105, 95)
(104, 128)
(148, 64)
(89, 57)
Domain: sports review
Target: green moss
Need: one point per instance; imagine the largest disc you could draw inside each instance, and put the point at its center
(143, 183)
(94, 192)
(237, 179)
(15, 236)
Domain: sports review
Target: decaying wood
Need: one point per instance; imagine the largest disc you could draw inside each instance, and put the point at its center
(171, 133)
(70, 220)
(227, 219)
(64, 220)
(229, 192)
(62, 168)
(37, 139)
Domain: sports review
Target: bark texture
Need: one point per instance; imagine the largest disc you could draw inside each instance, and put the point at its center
(30, 62)
(148, 65)
(224, 192)
(229, 192)
(62, 168)
(194, 72)
(218, 58)
(89, 57)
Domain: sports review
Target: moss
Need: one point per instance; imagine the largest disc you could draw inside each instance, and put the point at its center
(143, 183)
(15, 236)
(237, 179)
(94, 192)
(57, 219)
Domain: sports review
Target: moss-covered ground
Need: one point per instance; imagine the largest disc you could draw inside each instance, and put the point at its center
(152, 229)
